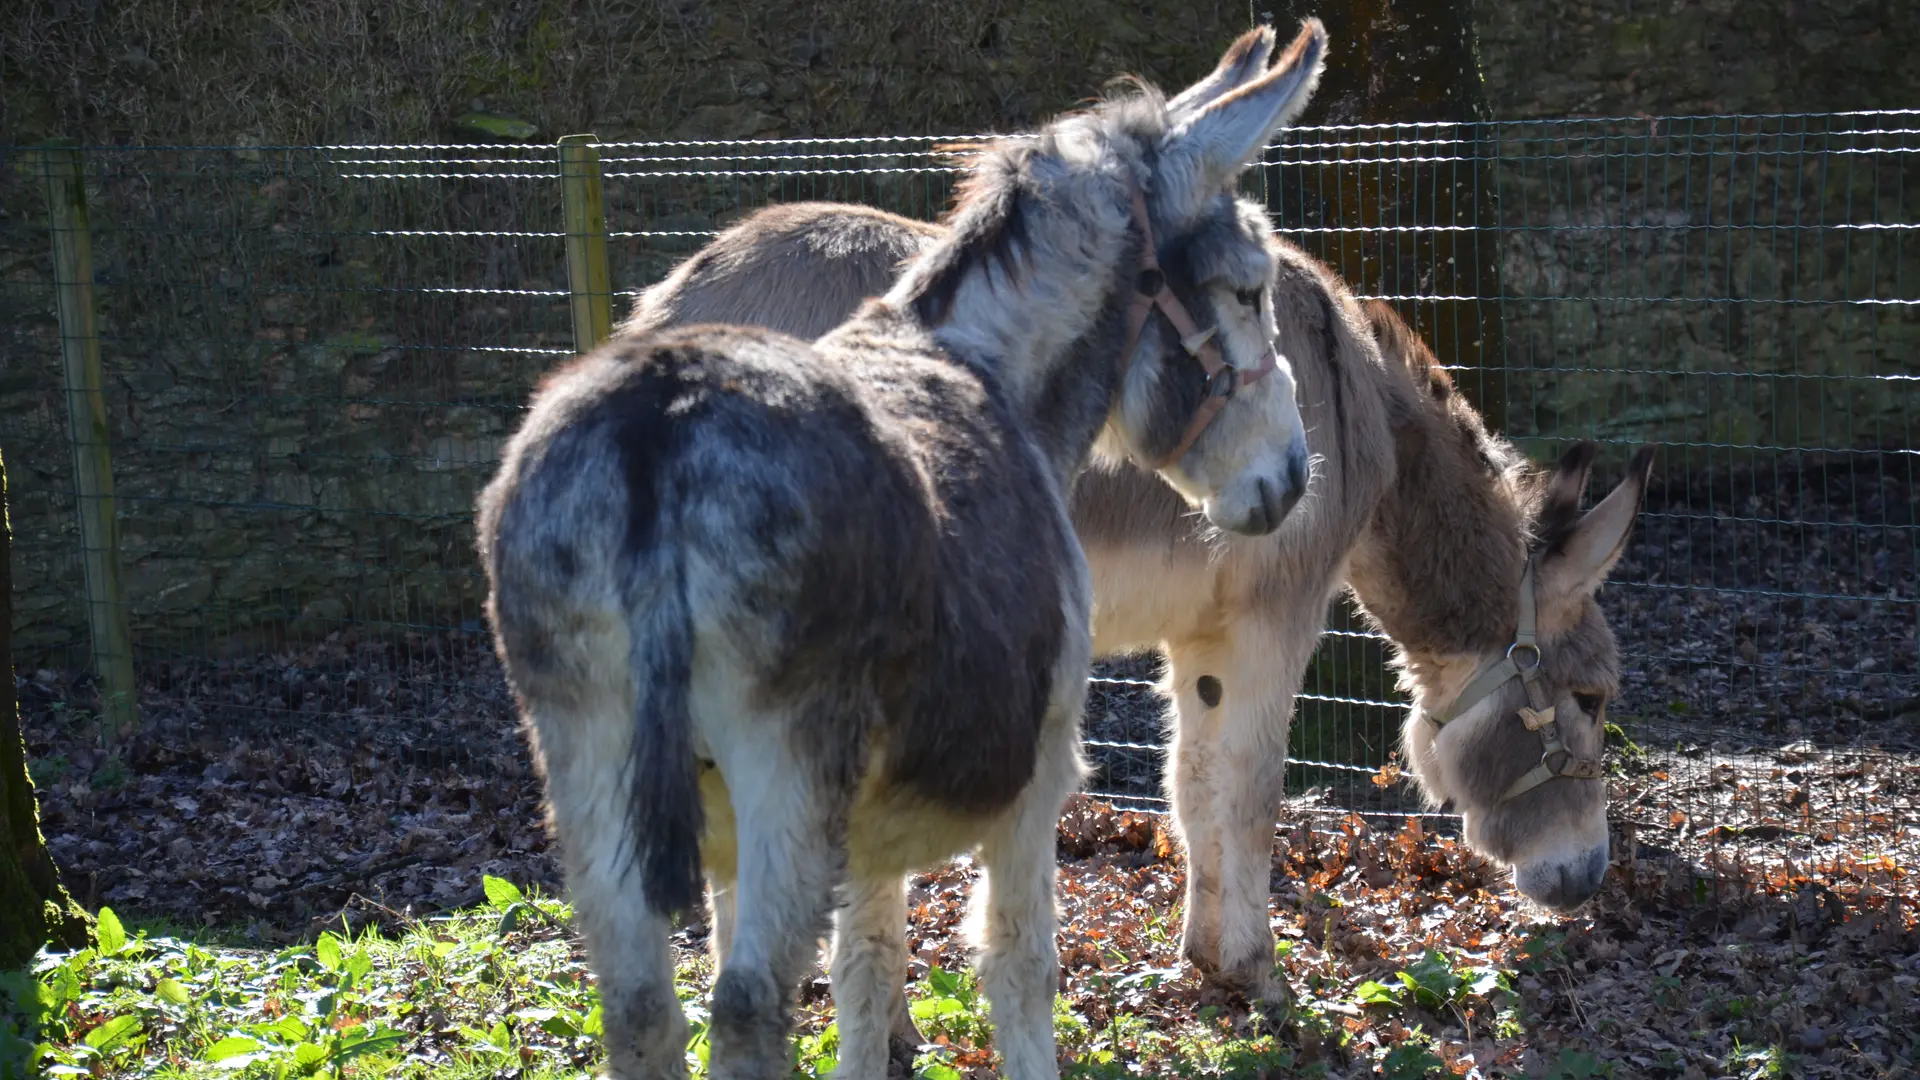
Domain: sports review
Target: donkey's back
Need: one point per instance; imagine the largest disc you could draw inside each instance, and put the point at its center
(835, 251)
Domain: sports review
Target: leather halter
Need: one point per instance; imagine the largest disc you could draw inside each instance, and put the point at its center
(1536, 714)
(1223, 379)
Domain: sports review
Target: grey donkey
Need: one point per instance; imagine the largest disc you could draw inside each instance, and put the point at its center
(807, 617)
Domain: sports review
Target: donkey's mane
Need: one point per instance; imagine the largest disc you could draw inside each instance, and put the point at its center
(1396, 338)
(1438, 396)
(988, 226)
(1548, 521)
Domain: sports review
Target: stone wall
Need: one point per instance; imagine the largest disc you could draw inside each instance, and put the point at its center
(300, 428)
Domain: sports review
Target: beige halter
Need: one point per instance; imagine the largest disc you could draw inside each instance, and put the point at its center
(1223, 379)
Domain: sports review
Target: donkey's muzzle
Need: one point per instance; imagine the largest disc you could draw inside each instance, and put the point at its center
(1563, 886)
(1274, 497)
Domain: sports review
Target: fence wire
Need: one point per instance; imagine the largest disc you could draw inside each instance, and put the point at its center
(313, 354)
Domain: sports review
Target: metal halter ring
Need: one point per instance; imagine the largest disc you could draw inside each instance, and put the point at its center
(1531, 648)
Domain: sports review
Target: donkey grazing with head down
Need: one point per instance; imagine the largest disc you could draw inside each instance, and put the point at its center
(1479, 566)
(812, 616)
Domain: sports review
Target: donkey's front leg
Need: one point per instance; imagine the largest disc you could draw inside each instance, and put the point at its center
(1235, 701)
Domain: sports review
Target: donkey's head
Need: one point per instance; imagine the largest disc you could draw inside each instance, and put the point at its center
(1115, 236)
(1512, 738)
(1245, 466)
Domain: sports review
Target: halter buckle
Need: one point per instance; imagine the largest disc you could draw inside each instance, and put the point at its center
(1583, 768)
(1223, 383)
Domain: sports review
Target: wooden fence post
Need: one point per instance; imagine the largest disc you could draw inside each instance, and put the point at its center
(584, 209)
(87, 431)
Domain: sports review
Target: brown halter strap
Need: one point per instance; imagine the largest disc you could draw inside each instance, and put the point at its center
(1537, 714)
(1223, 379)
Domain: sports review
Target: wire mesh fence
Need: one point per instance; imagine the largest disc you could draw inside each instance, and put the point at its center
(311, 356)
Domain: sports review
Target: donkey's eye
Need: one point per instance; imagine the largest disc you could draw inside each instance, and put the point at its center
(1248, 297)
(1589, 703)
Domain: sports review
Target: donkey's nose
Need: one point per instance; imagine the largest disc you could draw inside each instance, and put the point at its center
(1278, 504)
(1266, 510)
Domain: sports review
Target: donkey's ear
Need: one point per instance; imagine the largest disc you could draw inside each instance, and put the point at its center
(1579, 559)
(1566, 489)
(1213, 143)
(1245, 59)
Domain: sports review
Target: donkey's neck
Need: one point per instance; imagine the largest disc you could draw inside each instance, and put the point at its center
(1043, 320)
(1440, 563)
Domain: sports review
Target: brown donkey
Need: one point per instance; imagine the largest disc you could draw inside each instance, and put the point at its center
(1478, 565)
(805, 617)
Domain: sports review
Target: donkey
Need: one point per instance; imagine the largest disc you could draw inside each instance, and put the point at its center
(807, 617)
(1478, 565)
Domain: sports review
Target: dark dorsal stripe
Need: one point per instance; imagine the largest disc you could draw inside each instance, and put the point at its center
(996, 235)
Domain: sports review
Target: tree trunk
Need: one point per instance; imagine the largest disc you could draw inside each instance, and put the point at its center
(1414, 61)
(34, 908)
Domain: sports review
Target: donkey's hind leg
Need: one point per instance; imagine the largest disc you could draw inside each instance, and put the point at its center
(788, 825)
(1229, 783)
(869, 977)
(581, 746)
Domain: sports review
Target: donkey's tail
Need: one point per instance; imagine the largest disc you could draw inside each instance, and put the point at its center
(667, 819)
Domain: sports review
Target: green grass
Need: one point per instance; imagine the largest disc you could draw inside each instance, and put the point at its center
(503, 990)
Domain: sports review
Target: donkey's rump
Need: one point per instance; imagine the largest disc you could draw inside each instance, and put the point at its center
(869, 548)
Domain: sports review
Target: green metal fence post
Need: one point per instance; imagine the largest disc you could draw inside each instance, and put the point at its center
(87, 430)
(584, 209)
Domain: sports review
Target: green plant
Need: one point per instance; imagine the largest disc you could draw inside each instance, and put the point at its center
(506, 898)
(1432, 982)
(1758, 1062)
(111, 775)
(49, 770)
(1411, 1060)
(83, 1042)
(952, 1007)
(1543, 949)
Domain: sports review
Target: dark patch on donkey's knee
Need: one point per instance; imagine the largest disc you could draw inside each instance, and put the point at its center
(1208, 688)
(749, 1007)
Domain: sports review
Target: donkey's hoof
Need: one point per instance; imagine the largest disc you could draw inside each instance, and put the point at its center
(901, 1055)
(1260, 984)
(903, 1043)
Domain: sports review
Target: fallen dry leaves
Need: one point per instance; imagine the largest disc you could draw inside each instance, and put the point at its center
(1763, 900)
